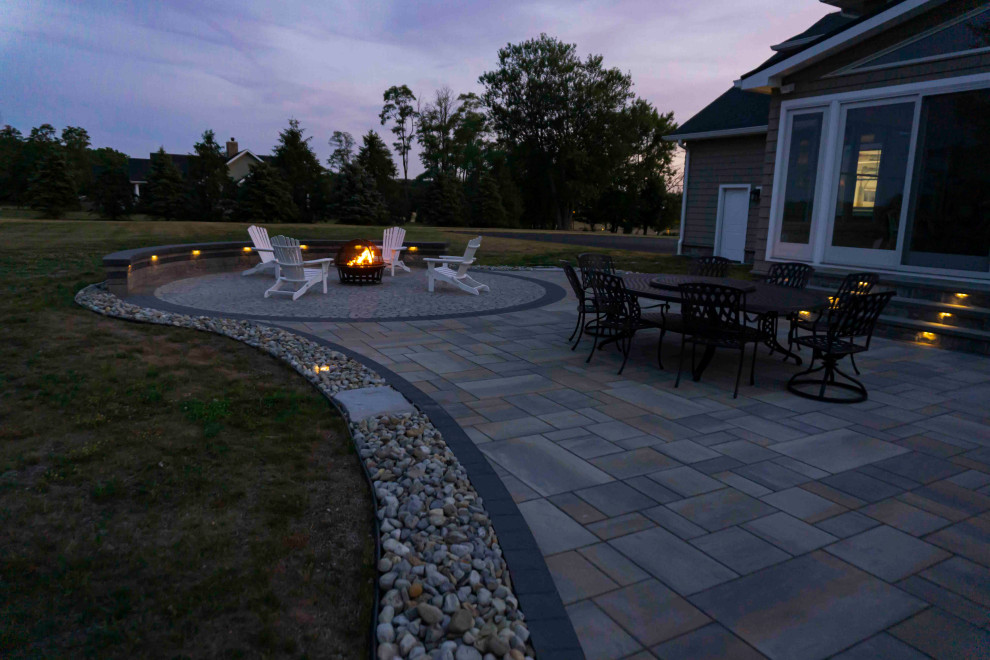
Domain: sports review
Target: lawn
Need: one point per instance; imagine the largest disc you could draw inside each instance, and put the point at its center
(163, 491)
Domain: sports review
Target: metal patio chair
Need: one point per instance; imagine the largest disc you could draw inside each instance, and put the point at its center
(710, 267)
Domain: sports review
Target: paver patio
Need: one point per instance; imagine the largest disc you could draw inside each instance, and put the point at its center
(683, 523)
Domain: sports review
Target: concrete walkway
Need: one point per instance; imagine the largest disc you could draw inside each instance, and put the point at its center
(681, 523)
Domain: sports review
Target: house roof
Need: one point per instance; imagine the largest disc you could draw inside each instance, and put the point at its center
(138, 168)
(830, 34)
(733, 113)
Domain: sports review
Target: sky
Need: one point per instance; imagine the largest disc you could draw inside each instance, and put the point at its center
(138, 75)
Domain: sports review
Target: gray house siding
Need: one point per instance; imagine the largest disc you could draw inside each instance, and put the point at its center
(814, 81)
(738, 160)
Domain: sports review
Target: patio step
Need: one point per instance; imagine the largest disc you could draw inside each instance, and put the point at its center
(953, 338)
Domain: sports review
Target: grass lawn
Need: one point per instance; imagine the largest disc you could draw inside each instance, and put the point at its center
(163, 491)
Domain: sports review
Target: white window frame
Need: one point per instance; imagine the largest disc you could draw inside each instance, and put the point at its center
(824, 211)
(719, 213)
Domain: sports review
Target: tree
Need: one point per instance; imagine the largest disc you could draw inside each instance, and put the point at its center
(11, 146)
(556, 115)
(487, 209)
(208, 179)
(75, 141)
(437, 124)
(375, 158)
(356, 199)
(471, 131)
(444, 202)
(111, 188)
(52, 190)
(265, 196)
(163, 196)
(301, 169)
(343, 150)
(399, 110)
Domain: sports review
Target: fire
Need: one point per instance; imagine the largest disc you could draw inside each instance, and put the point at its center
(366, 258)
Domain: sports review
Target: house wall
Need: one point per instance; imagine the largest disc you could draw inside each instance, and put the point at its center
(813, 81)
(240, 167)
(737, 160)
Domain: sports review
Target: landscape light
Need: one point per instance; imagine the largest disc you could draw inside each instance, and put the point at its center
(962, 295)
(930, 336)
(303, 247)
(247, 249)
(195, 253)
(413, 248)
(154, 257)
(944, 315)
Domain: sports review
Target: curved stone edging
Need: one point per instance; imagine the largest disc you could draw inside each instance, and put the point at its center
(552, 293)
(492, 623)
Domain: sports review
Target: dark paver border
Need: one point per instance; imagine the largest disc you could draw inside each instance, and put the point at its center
(551, 631)
(551, 293)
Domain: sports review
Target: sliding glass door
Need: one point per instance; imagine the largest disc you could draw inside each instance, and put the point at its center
(949, 215)
(801, 184)
(870, 182)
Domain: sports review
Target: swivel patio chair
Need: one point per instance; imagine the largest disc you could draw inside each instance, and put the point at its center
(710, 267)
(854, 317)
(620, 316)
(586, 302)
(292, 271)
(714, 316)
(588, 261)
(852, 284)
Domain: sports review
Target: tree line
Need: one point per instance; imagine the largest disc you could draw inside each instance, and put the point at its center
(551, 139)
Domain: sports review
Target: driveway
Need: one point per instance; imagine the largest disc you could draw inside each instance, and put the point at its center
(655, 244)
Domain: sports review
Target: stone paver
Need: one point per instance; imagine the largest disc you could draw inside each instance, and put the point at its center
(648, 500)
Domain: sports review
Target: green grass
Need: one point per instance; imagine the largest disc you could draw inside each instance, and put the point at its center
(163, 491)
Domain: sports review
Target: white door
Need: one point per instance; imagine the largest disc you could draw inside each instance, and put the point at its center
(733, 214)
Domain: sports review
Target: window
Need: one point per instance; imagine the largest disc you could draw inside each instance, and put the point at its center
(802, 176)
(970, 32)
(949, 214)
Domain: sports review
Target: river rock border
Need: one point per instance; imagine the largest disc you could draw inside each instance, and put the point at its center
(444, 590)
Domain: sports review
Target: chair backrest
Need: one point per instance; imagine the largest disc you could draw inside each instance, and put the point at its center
(856, 316)
(793, 275)
(392, 239)
(259, 236)
(468, 257)
(854, 284)
(710, 267)
(288, 255)
(572, 277)
(618, 304)
(589, 261)
(713, 310)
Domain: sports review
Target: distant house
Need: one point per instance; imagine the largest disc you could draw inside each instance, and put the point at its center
(863, 142)
(239, 164)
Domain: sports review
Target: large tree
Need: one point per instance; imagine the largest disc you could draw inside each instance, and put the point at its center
(342, 144)
(265, 196)
(52, 190)
(75, 142)
(472, 147)
(208, 179)
(437, 123)
(376, 160)
(301, 169)
(556, 114)
(399, 110)
(11, 180)
(356, 199)
(163, 195)
(111, 188)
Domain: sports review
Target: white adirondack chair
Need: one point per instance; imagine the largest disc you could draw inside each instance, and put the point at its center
(263, 246)
(442, 269)
(392, 248)
(292, 271)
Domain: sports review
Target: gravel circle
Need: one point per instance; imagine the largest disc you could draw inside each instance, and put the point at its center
(445, 590)
(403, 296)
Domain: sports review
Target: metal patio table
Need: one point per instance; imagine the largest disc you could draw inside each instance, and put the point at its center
(767, 301)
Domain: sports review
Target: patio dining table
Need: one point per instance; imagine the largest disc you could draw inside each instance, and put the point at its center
(767, 301)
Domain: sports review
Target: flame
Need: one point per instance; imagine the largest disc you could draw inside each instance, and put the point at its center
(366, 258)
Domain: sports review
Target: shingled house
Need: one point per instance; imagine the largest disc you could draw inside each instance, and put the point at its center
(239, 162)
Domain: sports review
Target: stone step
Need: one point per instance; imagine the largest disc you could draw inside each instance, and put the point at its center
(950, 337)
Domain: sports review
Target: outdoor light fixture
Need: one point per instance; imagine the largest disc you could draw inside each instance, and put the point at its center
(303, 247)
(930, 336)
(962, 295)
(413, 248)
(754, 196)
(195, 253)
(154, 257)
(944, 315)
(247, 249)
(318, 368)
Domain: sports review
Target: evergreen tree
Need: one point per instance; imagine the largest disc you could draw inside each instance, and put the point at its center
(265, 196)
(52, 190)
(375, 158)
(75, 142)
(301, 169)
(163, 196)
(487, 209)
(111, 189)
(444, 202)
(208, 179)
(11, 146)
(356, 198)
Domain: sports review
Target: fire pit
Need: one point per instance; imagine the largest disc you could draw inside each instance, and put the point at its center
(360, 262)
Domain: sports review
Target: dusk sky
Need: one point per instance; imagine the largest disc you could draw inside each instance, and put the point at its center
(138, 75)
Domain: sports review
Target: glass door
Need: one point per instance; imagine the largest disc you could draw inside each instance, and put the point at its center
(870, 184)
(802, 172)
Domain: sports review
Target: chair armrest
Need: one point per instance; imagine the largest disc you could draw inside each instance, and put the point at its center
(442, 260)
(328, 260)
(257, 249)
